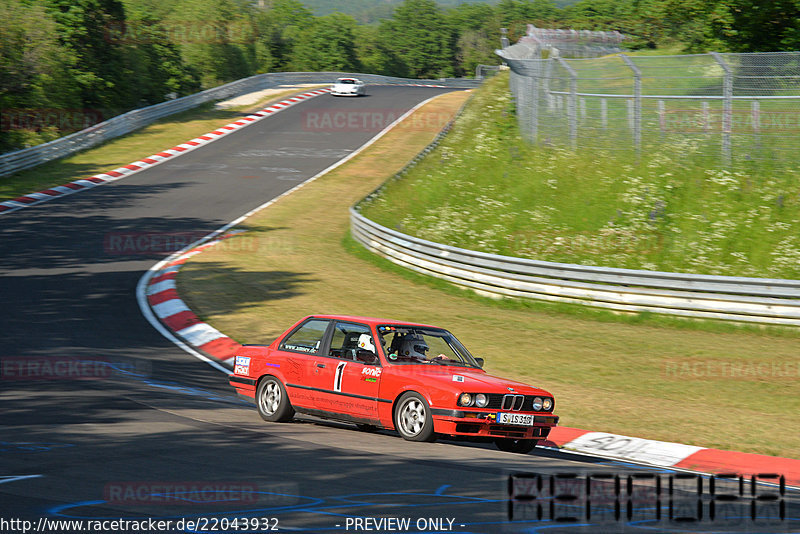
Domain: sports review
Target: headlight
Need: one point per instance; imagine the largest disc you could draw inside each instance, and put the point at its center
(537, 404)
(481, 400)
(465, 399)
(547, 404)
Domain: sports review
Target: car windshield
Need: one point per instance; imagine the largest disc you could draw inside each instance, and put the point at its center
(346, 81)
(431, 346)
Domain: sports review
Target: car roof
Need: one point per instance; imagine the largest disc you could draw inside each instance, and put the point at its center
(343, 79)
(374, 321)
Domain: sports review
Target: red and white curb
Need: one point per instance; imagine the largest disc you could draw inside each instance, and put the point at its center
(163, 299)
(83, 184)
(676, 455)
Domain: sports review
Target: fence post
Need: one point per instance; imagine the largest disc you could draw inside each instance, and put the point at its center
(727, 107)
(532, 84)
(604, 113)
(572, 107)
(524, 105)
(637, 103)
(755, 115)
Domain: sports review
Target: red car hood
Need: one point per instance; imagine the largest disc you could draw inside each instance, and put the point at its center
(472, 380)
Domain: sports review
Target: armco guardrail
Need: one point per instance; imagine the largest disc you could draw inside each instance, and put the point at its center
(12, 162)
(756, 300)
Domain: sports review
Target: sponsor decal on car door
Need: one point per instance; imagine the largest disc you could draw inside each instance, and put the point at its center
(350, 388)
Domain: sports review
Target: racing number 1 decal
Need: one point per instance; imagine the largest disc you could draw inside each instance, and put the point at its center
(337, 381)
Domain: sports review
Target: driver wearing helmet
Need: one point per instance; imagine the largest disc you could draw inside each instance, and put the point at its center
(413, 346)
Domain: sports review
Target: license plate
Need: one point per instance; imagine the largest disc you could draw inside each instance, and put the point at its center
(520, 419)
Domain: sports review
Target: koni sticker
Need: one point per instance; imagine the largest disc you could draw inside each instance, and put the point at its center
(458, 378)
(242, 365)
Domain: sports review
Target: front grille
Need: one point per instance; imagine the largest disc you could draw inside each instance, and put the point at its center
(495, 401)
(468, 428)
(499, 401)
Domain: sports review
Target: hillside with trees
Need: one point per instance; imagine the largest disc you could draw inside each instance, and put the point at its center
(98, 58)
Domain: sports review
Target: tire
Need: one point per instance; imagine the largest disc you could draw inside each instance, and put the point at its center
(520, 446)
(272, 401)
(412, 418)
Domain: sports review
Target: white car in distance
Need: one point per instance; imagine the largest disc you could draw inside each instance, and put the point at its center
(348, 87)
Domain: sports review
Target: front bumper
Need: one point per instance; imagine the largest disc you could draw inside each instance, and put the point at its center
(343, 93)
(484, 425)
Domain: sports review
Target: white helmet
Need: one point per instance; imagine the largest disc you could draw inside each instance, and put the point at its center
(413, 346)
(365, 342)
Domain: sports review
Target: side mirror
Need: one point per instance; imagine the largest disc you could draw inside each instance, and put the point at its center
(367, 356)
(480, 362)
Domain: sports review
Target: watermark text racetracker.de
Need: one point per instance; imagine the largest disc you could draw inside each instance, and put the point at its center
(160, 243)
(38, 119)
(370, 120)
(194, 524)
(199, 493)
(70, 368)
(178, 32)
(731, 370)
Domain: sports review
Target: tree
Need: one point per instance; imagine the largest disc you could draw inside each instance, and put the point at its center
(34, 73)
(517, 14)
(328, 45)
(152, 56)
(98, 64)
(215, 39)
(421, 39)
(375, 53)
(279, 27)
(759, 26)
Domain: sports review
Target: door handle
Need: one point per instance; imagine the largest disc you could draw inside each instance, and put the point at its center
(321, 365)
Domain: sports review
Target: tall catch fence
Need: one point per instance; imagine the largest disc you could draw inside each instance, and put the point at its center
(12, 162)
(729, 108)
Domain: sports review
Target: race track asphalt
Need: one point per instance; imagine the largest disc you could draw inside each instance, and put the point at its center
(102, 418)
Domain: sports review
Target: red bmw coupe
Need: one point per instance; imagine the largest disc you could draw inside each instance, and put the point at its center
(414, 378)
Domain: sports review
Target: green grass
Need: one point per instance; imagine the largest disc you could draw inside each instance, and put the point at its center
(486, 189)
